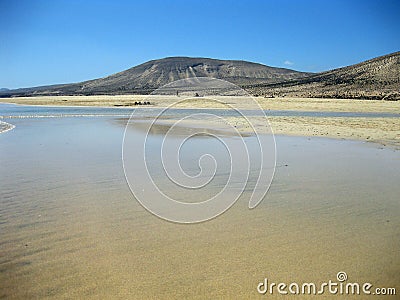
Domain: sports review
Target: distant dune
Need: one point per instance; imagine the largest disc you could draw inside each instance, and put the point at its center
(373, 79)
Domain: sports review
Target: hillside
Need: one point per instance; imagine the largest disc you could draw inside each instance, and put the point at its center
(378, 78)
(148, 76)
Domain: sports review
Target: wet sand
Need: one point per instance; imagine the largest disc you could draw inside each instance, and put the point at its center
(70, 227)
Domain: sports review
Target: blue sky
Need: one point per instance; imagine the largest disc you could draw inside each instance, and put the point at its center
(48, 42)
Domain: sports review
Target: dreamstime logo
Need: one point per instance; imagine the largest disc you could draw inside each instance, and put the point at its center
(190, 165)
(333, 287)
(341, 276)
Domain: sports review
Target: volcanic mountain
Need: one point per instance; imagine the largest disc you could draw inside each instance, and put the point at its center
(378, 78)
(155, 73)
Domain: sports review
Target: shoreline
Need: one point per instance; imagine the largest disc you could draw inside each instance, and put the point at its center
(162, 101)
(67, 106)
(384, 131)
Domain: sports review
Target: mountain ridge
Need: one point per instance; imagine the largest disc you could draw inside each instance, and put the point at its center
(377, 78)
(150, 75)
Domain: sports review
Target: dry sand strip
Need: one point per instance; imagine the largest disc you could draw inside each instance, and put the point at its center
(297, 104)
(385, 131)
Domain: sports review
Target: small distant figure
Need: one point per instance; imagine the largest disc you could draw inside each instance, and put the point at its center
(144, 103)
(197, 95)
(177, 93)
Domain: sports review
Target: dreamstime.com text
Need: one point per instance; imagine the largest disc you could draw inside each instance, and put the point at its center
(341, 286)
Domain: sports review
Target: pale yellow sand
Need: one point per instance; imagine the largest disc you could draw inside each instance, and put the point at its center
(303, 104)
(381, 130)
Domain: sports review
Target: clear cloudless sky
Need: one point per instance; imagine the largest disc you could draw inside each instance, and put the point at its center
(48, 41)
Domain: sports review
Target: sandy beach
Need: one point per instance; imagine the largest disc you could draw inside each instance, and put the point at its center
(71, 227)
(304, 104)
(200, 150)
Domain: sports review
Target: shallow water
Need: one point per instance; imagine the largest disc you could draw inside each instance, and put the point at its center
(25, 111)
(70, 227)
(11, 111)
